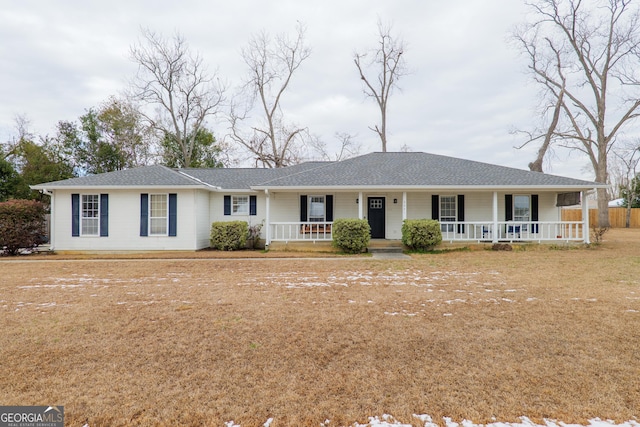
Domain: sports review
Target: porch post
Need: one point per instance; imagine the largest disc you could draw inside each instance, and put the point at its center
(404, 205)
(586, 235)
(360, 206)
(495, 217)
(268, 218)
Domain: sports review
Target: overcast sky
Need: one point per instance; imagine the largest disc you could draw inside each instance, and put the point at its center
(466, 91)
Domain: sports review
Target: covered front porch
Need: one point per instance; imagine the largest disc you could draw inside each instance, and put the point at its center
(385, 211)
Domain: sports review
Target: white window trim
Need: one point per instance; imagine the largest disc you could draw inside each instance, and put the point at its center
(166, 233)
(528, 196)
(83, 218)
(324, 208)
(233, 203)
(443, 222)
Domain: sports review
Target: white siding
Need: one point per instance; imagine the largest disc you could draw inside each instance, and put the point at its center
(201, 219)
(345, 206)
(124, 223)
(216, 210)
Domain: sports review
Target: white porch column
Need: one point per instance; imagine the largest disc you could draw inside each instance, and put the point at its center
(495, 217)
(404, 205)
(268, 218)
(360, 206)
(586, 234)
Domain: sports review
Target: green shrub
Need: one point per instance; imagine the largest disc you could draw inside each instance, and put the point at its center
(351, 235)
(229, 235)
(421, 234)
(22, 225)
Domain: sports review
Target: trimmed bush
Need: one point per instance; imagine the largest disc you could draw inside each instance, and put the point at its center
(229, 235)
(351, 235)
(421, 234)
(22, 225)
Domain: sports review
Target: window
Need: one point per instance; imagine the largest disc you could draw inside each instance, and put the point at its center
(90, 218)
(240, 205)
(158, 214)
(521, 208)
(316, 208)
(447, 212)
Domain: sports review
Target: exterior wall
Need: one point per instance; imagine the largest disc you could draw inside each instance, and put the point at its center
(201, 220)
(216, 210)
(124, 223)
(285, 207)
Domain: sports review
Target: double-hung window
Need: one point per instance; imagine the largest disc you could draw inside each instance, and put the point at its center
(158, 214)
(316, 209)
(90, 215)
(521, 208)
(240, 205)
(447, 212)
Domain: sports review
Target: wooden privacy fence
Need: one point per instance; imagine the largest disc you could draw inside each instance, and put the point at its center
(617, 217)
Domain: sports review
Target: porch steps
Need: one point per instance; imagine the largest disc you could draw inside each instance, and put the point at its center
(385, 247)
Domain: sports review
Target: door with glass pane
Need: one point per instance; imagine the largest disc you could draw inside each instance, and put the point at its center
(375, 214)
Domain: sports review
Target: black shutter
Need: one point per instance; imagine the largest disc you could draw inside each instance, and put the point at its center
(227, 205)
(328, 200)
(508, 207)
(303, 208)
(173, 214)
(460, 212)
(435, 207)
(144, 214)
(75, 215)
(253, 205)
(534, 212)
(104, 215)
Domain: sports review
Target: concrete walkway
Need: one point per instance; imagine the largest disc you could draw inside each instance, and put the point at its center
(389, 255)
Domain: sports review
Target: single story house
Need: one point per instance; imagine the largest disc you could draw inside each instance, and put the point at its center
(158, 208)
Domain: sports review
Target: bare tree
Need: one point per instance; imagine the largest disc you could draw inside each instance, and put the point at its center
(587, 59)
(175, 81)
(349, 147)
(271, 62)
(627, 158)
(12, 147)
(389, 66)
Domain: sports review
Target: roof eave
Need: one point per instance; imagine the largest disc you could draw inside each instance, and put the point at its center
(431, 187)
(117, 187)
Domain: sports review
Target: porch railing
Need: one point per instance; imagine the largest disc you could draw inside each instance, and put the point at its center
(479, 231)
(300, 231)
(513, 231)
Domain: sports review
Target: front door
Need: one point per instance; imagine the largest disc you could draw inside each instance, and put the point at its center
(375, 213)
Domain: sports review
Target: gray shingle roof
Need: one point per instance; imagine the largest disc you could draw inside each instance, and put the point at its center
(245, 178)
(419, 169)
(146, 176)
(369, 170)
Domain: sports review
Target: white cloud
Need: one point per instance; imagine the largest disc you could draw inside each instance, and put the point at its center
(465, 91)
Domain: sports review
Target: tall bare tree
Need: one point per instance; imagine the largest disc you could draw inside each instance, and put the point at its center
(388, 66)
(177, 83)
(271, 62)
(585, 54)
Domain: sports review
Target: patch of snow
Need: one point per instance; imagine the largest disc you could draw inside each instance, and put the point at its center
(387, 420)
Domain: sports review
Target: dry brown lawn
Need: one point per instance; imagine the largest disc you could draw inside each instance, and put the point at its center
(478, 335)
